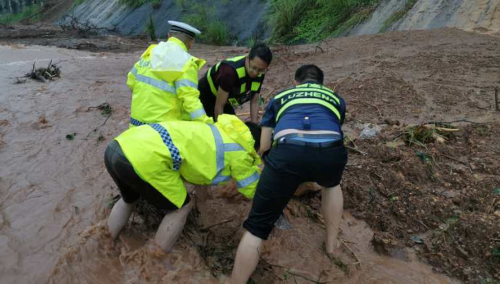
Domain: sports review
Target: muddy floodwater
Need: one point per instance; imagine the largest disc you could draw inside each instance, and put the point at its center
(55, 191)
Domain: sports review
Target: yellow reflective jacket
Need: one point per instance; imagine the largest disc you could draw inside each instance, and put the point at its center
(164, 84)
(164, 153)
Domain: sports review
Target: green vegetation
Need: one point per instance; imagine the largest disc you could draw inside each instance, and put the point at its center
(489, 281)
(26, 12)
(398, 15)
(314, 20)
(150, 28)
(138, 3)
(204, 17)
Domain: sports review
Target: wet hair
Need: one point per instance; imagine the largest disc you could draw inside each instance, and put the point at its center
(309, 72)
(262, 51)
(255, 129)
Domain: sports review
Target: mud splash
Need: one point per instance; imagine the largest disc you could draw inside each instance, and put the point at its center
(54, 191)
(206, 255)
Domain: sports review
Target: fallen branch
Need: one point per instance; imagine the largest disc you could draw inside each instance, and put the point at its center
(449, 122)
(442, 129)
(95, 129)
(356, 150)
(215, 225)
(490, 209)
(355, 255)
(42, 74)
(457, 160)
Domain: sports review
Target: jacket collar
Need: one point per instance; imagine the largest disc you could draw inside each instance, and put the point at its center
(179, 42)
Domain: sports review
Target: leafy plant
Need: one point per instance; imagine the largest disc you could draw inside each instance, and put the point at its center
(314, 20)
(150, 28)
(27, 11)
(204, 17)
(396, 16)
(138, 3)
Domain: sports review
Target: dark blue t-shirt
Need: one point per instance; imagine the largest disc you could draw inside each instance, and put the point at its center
(304, 117)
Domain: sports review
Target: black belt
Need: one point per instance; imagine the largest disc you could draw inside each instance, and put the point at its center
(336, 140)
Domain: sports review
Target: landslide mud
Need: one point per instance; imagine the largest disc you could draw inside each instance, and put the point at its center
(55, 192)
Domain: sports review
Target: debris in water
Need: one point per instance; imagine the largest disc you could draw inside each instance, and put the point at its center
(105, 108)
(42, 74)
(71, 136)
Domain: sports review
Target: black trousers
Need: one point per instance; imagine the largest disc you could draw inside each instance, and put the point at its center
(131, 186)
(287, 166)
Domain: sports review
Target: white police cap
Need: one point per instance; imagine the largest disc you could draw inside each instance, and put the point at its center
(183, 28)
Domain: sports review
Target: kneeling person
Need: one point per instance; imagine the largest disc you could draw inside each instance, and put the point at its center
(308, 146)
(151, 161)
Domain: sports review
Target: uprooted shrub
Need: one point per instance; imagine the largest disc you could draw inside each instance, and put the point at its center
(44, 73)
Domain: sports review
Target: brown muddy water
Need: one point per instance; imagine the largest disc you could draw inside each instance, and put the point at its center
(54, 195)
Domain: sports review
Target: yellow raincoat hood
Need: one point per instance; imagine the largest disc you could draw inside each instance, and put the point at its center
(169, 60)
(239, 133)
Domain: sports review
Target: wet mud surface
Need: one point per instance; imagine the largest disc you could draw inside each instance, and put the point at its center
(414, 214)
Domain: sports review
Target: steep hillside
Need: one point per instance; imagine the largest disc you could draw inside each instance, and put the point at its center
(391, 15)
(242, 17)
(242, 22)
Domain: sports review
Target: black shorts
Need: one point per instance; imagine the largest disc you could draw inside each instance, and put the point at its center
(287, 166)
(131, 186)
(208, 99)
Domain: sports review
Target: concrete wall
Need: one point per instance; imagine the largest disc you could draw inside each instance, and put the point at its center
(243, 17)
(481, 15)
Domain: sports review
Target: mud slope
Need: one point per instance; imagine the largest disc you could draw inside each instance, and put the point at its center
(479, 15)
(54, 190)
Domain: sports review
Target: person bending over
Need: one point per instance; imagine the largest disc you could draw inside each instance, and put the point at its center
(305, 124)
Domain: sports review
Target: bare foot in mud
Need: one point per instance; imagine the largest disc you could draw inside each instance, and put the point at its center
(336, 251)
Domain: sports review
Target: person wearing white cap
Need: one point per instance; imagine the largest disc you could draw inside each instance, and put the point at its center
(164, 82)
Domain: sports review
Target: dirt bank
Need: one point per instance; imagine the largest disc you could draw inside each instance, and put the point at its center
(54, 192)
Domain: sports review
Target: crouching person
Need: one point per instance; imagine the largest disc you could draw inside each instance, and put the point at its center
(305, 122)
(151, 161)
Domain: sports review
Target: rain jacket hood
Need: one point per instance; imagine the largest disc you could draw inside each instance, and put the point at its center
(239, 133)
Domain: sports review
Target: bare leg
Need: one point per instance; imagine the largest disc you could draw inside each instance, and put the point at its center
(247, 258)
(119, 217)
(171, 227)
(332, 205)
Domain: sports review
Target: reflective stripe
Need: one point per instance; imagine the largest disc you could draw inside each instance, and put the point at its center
(162, 85)
(220, 148)
(185, 83)
(241, 72)
(197, 113)
(228, 147)
(307, 101)
(255, 86)
(309, 89)
(136, 122)
(167, 140)
(209, 78)
(248, 181)
(220, 178)
(237, 58)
